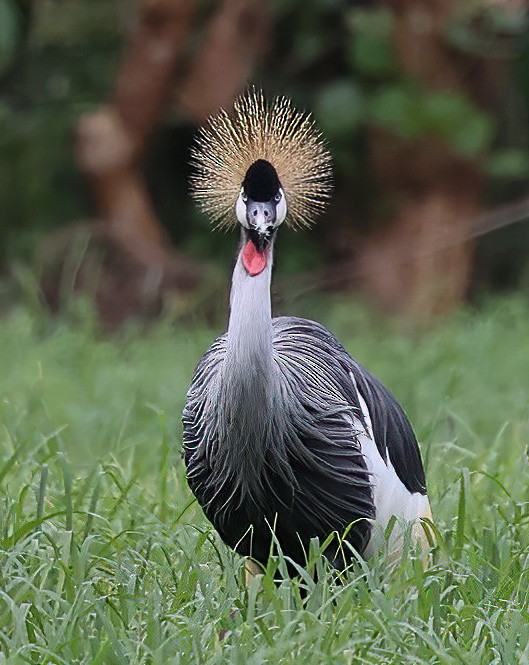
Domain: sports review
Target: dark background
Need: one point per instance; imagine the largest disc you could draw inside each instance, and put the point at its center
(424, 104)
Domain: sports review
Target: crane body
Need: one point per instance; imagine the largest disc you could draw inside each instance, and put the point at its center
(286, 436)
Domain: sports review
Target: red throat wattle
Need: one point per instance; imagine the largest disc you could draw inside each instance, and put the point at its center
(253, 260)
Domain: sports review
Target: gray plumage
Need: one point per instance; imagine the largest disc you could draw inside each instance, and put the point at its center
(283, 431)
(271, 428)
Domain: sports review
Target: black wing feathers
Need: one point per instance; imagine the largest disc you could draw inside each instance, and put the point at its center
(392, 430)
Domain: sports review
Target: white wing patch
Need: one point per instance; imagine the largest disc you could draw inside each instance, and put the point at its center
(391, 497)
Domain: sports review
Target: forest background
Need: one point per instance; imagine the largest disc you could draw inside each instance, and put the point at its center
(424, 104)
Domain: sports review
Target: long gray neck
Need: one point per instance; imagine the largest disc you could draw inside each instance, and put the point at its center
(249, 329)
(248, 386)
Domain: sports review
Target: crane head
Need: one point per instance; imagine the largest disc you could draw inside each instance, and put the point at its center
(257, 160)
(261, 205)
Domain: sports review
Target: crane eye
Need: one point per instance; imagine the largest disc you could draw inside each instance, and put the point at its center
(277, 197)
(244, 196)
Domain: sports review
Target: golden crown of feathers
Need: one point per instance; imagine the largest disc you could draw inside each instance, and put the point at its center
(229, 144)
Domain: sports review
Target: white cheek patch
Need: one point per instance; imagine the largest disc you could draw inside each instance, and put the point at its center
(281, 208)
(240, 211)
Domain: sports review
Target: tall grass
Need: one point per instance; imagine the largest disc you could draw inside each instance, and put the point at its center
(106, 559)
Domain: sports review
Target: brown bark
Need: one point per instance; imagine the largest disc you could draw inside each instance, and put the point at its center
(129, 240)
(105, 153)
(236, 38)
(436, 193)
(110, 139)
(146, 77)
(129, 263)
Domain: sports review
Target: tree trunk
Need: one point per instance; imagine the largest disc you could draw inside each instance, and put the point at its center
(135, 259)
(436, 193)
(110, 140)
(236, 38)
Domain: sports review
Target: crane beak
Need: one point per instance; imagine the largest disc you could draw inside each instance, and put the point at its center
(261, 217)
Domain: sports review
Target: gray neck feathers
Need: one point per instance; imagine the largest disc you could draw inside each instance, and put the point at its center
(247, 385)
(249, 349)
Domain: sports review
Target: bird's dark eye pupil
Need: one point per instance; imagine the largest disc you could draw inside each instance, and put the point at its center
(244, 197)
(278, 197)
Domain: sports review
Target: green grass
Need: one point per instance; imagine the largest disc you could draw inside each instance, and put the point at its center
(105, 558)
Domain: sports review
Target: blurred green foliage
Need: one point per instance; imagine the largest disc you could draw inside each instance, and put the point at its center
(8, 32)
(372, 88)
(58, 58)
(62, 58)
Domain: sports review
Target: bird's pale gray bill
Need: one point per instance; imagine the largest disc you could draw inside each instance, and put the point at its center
(261, 216)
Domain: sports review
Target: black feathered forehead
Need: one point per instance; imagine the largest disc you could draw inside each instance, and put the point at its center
(261, 182)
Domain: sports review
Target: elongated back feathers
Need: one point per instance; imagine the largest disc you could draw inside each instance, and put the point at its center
(229, 144)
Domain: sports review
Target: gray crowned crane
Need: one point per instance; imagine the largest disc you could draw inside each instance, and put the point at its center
(284, 432)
